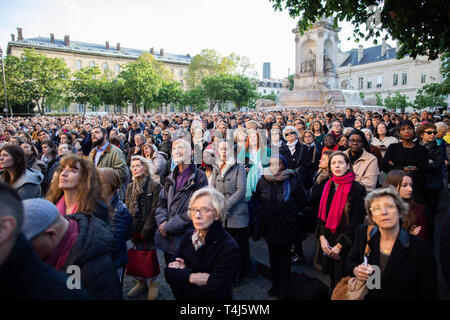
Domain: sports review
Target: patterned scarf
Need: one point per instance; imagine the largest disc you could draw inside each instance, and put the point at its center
(137, 188)
(198, 240)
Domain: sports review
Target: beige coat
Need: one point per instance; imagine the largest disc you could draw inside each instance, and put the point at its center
(366, 170)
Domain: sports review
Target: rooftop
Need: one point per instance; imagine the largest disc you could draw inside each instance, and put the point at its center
(93, 48)
(370, 55)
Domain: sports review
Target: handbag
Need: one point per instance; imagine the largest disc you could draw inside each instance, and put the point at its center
(350, 288)
(142, 263)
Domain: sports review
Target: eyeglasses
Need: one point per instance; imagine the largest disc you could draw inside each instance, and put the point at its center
(203, 210)
(430, 132)
(388, 208)
(289, 133)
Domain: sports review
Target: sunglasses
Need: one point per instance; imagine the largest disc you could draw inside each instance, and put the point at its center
(430, 132)
(289, 133)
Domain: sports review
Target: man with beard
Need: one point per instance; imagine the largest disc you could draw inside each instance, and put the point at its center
(105, 155)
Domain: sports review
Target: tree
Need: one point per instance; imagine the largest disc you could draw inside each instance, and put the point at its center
(86, 87)
(209, 63)
(398, 101)
(245, 90)
(270, 96)
(291, 82)
(443, 88)
(379, 99)
(218, 89)
(141, 82)
(170, 92)
(421, 27)
(195, 98)
(35, 78)
(424, 100)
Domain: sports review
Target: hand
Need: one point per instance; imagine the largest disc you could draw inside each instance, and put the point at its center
(430, 161)
(137, 149)
(334, 252)
(391, 163)
(177, 264)
(161, 229)
(199, 279)
(363, 272)
(324, 245)
(416, 230)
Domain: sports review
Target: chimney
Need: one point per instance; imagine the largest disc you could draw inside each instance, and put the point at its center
(383, 47)
(107, 45)
(13, 37)
(189, 55)
(152, 51)
(19, 34)
(360, 52)
(118, 46)
(52, 37)
(161, 53)
(67, 40)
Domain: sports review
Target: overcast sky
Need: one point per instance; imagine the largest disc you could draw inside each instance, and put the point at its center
(246, 27)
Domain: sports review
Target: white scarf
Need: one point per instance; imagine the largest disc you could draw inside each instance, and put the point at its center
(197, 240)
(292, 146)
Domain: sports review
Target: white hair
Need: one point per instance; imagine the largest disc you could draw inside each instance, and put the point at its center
(218, 201)
(290, 128)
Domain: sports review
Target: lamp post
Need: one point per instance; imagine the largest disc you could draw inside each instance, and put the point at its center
(4, 83)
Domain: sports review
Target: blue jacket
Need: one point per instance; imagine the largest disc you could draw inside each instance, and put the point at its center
(122, 229)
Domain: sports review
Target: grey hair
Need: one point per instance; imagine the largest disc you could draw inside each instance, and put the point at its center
(218, 201)
(370, 134)
(402, 206)
(290, 128)
(441, 124)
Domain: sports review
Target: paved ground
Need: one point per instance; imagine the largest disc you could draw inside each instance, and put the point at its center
(256, 284)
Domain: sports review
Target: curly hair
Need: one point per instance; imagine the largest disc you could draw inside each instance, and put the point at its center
(88, 191)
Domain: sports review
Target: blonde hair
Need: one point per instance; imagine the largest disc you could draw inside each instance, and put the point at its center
(390, 191)
(145, 163)
(217, 198)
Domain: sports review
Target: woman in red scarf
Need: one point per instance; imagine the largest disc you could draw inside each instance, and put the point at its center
(341, 209)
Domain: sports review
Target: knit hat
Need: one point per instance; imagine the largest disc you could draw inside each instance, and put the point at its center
(39, 214)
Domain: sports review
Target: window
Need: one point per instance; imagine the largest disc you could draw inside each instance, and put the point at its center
(117, 68)
(181, 73)
(379, 81)
(395, 79)
(173, 72)
(181, 82)
(360, 83)
(106, 108)
(80, 108)
(264, 90)
(369, 83)
(92, 64)
(105, 66)
(79, 64)
(404, 78)
(423, 78)
(64, 109)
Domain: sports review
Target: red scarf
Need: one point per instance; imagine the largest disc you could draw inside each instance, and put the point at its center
(333, 219)
(59, 255)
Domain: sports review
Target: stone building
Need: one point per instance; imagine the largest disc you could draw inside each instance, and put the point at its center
(77, 55)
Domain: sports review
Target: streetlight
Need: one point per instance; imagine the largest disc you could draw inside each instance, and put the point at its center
(4, 83)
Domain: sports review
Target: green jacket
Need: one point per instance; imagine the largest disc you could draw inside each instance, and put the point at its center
(113, 158)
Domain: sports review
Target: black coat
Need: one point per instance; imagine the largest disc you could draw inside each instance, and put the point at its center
(433, 176)
(219, 257)
(122, 228)
(92, 253)
(279, 220)
(23, 276)
(305, 161)
(445, 248)
(410, 272)
(346, 229)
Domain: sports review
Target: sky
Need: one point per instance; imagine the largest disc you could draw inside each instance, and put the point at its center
(248, 28)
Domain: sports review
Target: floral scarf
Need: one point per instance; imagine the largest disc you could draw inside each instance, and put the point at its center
(198, 240)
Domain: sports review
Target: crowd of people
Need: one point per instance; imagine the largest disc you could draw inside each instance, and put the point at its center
(80, 190)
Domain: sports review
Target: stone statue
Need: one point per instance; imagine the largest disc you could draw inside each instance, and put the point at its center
(309, 64)
(328, 65)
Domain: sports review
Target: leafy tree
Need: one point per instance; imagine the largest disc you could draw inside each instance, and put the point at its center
(170, 92)
(443, 88)
(424, 100)
(245, 90)
(218, 89)
(421, 27)
(291, 82)
(270, 96)
(86, 88)
(141, 82)
(209, 63)
(195, 98)
(35, 78)
(397, 101)
(379, 99)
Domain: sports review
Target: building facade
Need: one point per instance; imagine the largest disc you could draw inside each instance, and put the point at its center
(377, 70)
(106, 56)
